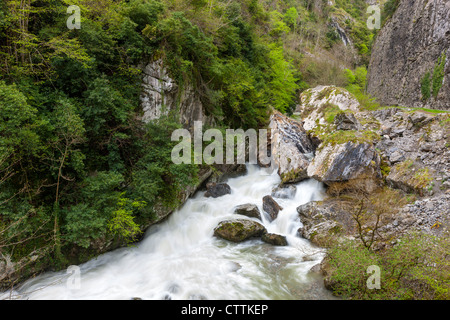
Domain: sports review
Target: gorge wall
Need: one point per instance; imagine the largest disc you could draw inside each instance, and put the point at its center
(410, 65)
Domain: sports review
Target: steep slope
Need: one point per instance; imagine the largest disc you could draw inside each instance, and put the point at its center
(409, 63)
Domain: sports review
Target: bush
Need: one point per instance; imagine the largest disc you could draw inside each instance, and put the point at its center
(418, 267)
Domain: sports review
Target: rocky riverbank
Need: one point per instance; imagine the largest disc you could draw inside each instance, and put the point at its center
(387, 172)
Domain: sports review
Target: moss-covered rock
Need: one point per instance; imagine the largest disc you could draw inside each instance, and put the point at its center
(238, 230)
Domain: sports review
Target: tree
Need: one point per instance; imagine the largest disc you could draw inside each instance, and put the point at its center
(70, 132)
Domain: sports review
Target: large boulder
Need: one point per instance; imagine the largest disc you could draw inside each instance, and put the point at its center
(323, 222)
(271, 207)
(291, 148)
(249, 210)
(216, 190)
(350, 165)
(238, 230)
(318, 102)
(274, 239)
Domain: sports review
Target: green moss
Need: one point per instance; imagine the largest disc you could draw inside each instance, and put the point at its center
(384, 167)
(340, 137)
(292, 175)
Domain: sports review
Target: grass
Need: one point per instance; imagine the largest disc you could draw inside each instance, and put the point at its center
(340, 137)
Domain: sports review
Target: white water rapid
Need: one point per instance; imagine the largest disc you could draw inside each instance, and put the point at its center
(181, 259)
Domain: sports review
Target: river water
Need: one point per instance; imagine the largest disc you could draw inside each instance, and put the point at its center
(181, 259)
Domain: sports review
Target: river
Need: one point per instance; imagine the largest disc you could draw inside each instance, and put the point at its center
(180, 258)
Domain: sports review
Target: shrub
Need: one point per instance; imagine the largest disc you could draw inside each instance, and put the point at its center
(418, 267)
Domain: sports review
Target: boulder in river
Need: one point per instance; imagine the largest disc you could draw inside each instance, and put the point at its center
(249, 210)
(217, 189)
(237, 230)
(271, 207)
(274, 239)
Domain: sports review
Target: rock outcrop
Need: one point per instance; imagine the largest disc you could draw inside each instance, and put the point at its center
(410, 52)
(161, 94)
(291, 148)
(316, 102)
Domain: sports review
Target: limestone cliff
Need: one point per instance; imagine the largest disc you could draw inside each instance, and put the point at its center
(161, 94)
(409, 64)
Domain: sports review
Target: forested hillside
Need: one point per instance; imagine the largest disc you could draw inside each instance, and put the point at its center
(79, 170)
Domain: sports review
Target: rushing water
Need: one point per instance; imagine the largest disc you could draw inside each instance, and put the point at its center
(181, 259)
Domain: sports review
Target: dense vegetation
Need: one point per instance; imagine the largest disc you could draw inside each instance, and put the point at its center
(77, 164)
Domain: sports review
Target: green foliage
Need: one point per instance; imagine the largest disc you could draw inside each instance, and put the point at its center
(438, 75)
(349, 262)
(92, 207)
(156, 179)
(18, 120)
(431, 84)
(122, 222)
(388, 9)
(416, 268)
(425, 86)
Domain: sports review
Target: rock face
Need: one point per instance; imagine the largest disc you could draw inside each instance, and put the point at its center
(238, 230)
(357, 164)
(160, 95)
(215, 190)
(414, 149)
(292, 149)
(271, 207)
(409, 46)
(249, 210)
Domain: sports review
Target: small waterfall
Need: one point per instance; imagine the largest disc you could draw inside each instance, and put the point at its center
(181, 259)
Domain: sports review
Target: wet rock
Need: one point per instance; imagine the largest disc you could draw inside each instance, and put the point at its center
(284, 192)
(238, 230)
(271, 207)
(274, 239)
(249, 210)
(215, 190)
